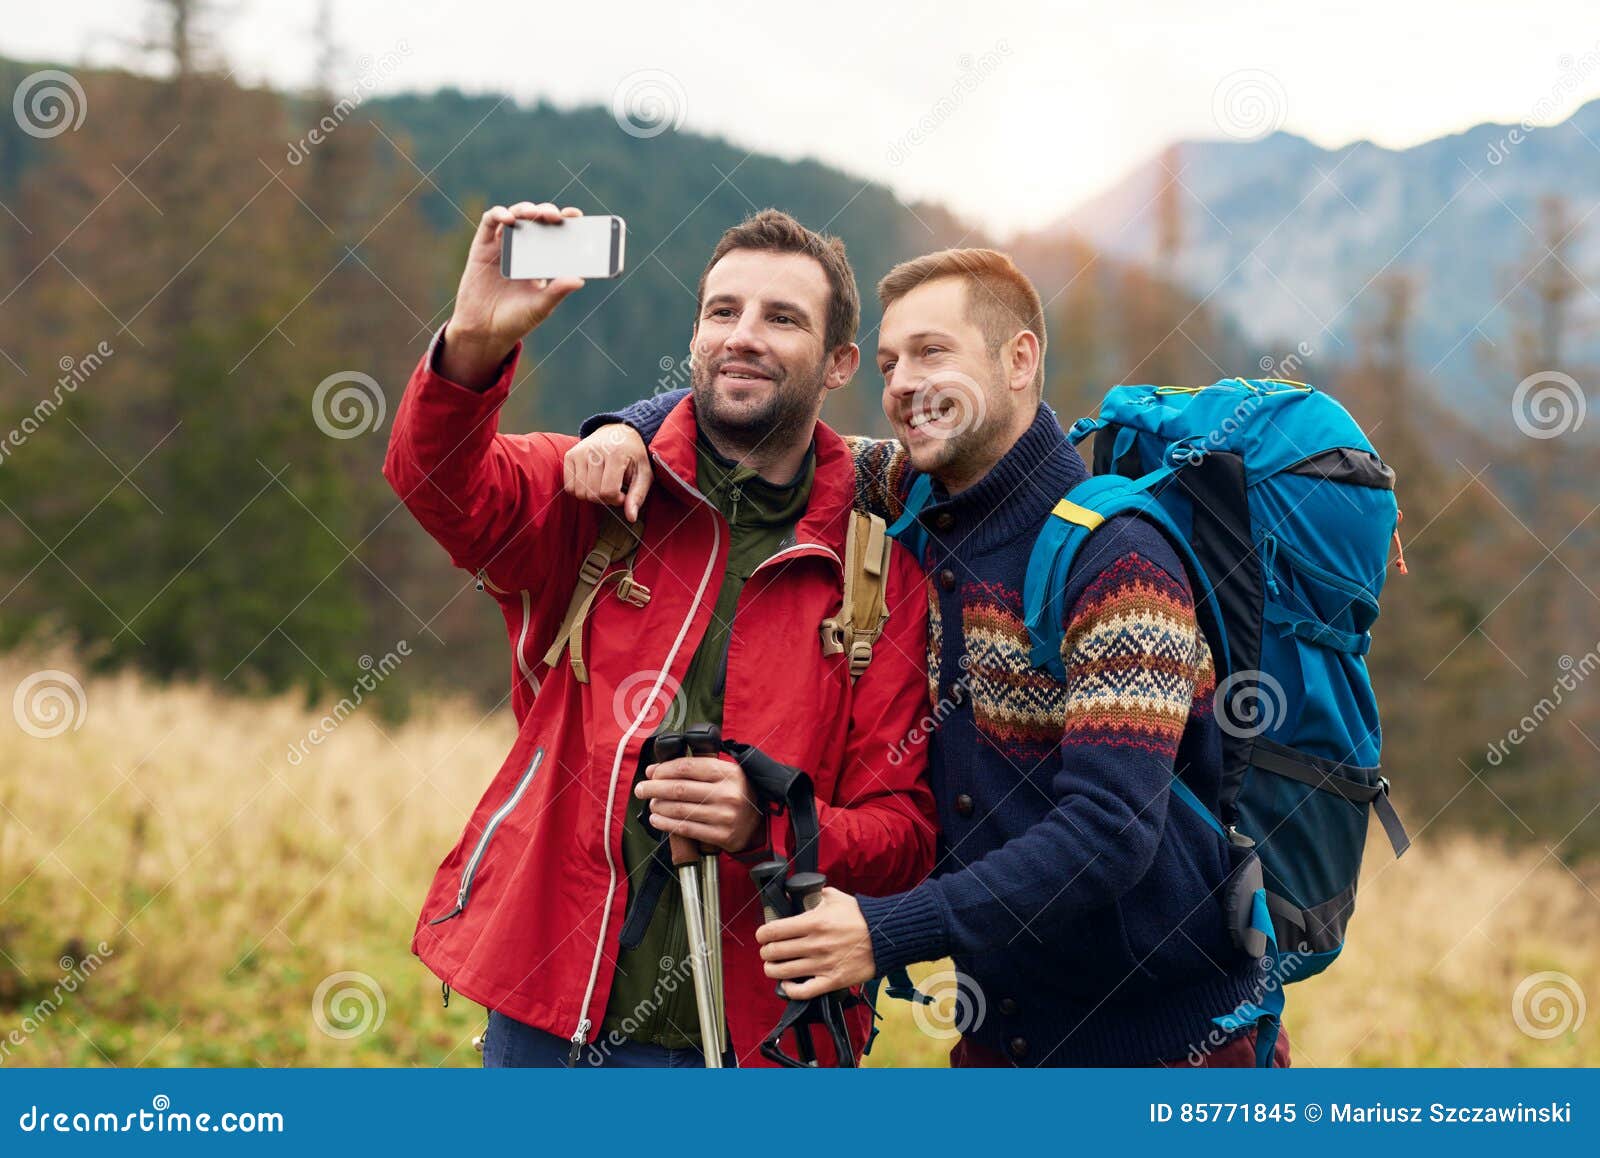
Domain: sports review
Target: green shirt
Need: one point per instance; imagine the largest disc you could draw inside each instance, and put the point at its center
(652, 999)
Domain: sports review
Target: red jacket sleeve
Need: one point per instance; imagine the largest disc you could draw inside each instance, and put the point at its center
(493, 501)
(879, 829)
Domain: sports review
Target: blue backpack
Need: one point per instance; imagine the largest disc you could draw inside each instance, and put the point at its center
(1283, 514)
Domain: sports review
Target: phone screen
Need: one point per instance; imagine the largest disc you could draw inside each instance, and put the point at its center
(577, 247)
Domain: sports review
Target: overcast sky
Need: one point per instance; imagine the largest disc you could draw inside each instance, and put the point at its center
(1009, 110)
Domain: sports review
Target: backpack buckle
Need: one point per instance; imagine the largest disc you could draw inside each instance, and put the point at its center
(860, 657)
(631, 591)
(1185, 452)
(593, 566)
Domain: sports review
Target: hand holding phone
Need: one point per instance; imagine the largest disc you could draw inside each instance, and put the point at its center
(493, 313)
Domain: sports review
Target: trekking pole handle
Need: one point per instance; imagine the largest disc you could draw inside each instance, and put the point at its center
(684, 851)
(769, 877)
(696, 740)
(806, 889)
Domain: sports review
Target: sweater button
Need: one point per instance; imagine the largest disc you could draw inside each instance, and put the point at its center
(1008, 1006)
(944, 520)
(947, 579)
(1017, 1047)
(963, 805)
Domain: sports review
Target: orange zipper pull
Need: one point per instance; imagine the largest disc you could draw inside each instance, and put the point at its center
(1399, 551)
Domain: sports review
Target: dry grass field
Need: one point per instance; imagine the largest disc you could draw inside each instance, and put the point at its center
(257, 911)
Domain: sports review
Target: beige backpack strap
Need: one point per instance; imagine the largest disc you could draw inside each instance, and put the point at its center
(865, 607)
(618, 540)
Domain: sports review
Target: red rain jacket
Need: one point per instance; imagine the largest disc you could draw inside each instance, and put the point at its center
(524, 913)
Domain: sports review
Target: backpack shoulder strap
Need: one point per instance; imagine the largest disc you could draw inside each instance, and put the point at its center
(906, 528)
(617, 540)
(865, 608)
(1069, 526)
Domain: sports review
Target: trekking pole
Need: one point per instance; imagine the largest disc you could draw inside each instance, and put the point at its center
(686, 859)
(711, 901)
(706, 740)
(696, 865)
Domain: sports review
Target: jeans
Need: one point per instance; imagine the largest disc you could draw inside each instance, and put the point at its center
(510, 1044)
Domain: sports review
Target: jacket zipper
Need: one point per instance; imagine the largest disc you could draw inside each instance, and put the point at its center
(471, 869)
(580, 1035)
(484, 582)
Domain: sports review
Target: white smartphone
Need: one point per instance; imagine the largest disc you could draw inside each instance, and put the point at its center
(577, 247)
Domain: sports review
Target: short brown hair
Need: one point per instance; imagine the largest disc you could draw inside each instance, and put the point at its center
(775, 231)
(1000, 298)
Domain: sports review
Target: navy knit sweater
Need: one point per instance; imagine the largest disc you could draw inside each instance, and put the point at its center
(1080, 901)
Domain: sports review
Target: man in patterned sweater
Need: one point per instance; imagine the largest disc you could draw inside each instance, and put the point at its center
(1081, 904)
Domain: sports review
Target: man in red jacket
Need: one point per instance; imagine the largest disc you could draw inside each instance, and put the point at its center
(715, 618)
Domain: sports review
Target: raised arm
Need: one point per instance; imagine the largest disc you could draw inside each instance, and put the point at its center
(483, 495)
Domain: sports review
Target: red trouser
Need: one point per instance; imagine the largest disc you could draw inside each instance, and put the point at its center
(1239, 1053)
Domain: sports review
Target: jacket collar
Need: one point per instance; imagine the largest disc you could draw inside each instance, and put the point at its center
(833, 487)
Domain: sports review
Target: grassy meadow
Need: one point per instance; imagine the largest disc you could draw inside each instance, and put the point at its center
(255, 910)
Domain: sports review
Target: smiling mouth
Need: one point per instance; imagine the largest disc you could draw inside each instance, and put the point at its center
(743, 375)
(923, 417)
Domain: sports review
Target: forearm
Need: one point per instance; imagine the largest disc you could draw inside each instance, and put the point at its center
(645, 415)
(883, 475)
(1033, 885)
(472, 361)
